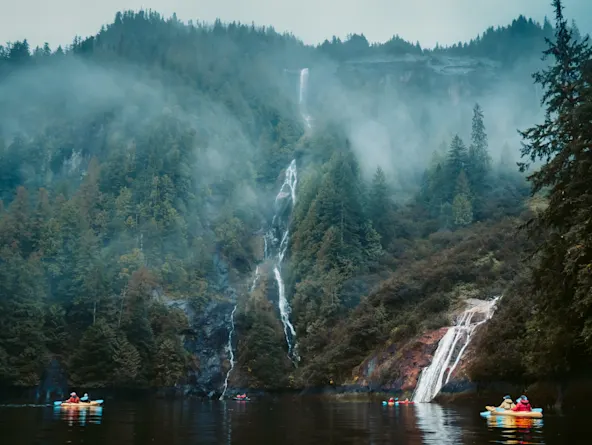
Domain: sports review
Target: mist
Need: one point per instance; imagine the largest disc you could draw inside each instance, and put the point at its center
(397, 123)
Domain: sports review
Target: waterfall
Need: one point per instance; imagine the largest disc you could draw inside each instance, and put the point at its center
(230, 351)
(277, 238)
(255, 279)
(431, 379)
(302, 97)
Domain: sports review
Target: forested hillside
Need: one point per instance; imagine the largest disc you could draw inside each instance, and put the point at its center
(138, 163)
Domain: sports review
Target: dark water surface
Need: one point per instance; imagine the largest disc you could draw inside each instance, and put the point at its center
(285, 421)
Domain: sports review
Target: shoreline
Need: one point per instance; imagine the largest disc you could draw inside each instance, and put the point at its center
(548, 395)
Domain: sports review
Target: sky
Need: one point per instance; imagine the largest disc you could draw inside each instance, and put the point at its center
(426, 21)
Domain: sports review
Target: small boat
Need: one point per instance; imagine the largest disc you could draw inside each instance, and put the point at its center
(241, 399)
(405, 402)
(80, 405)
(536, 413)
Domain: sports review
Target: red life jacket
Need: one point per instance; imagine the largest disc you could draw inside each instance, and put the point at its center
(523, 406)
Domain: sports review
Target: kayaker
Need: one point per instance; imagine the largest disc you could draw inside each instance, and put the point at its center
(73, 398)
(523, 405)
(507, 403)
(85, 398)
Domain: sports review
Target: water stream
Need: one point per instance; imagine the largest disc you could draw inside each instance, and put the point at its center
(230, 351)
(431, 379)
(276, 239)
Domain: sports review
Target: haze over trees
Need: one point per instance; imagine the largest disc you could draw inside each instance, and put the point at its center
(133, 158)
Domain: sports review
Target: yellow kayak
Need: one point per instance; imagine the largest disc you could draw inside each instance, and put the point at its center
(92, 404)
(530, 414)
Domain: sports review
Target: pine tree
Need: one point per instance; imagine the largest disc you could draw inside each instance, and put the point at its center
(462, 207)
(127, 362)
(562, 278)
(479, 161)
(381, 209)
(456, 161)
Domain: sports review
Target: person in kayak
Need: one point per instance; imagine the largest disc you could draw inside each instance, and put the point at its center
(523, 405)
(392, 400)
(73, 398)
(85, 398)
(507, 403)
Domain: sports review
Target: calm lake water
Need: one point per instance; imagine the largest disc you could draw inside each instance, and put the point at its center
(285, 421)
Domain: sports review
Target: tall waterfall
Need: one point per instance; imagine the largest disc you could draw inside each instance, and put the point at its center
(230, 351)
(431, 379)
(276, 240)
(302, 97)
(229, 345)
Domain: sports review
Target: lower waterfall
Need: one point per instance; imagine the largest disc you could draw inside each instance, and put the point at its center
(431, 379)
(230, 351)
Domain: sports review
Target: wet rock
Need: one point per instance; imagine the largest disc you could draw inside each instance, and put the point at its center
(209, 335)
(397, 367)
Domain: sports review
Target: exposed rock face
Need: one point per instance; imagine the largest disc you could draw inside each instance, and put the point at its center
(397, 367)
(210, 327)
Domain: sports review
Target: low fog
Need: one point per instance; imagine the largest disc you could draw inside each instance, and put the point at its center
(398, 124)
(395, 113)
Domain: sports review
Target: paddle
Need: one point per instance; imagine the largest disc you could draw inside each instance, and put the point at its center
(58, 403)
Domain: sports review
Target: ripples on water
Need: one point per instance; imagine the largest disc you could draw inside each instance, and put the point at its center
(285, 421)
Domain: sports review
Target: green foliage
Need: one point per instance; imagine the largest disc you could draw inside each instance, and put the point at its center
(561, 277)
(462, 209)
(381, 209)
(110, 209)
(114, 204)
(553, 327)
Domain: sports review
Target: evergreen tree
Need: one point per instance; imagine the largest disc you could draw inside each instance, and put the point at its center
(457, 161)
(562, 279)
(479, 161)
(127, 362)
(381, 209)
(462, 208)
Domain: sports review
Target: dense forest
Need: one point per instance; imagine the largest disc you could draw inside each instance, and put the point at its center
(134, 161)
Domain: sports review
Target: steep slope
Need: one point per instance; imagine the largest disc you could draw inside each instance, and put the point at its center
(139, 171)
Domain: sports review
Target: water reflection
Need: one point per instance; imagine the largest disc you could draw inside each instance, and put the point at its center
(438, 425)
(280, 420)
(79, 416)
(515, 430)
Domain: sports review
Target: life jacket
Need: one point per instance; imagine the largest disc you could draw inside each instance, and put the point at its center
(523, 406)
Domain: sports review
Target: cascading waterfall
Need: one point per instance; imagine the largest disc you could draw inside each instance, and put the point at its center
(230, 351)
(277, 238)
(431, 379)
(302, 97)
(255, 279)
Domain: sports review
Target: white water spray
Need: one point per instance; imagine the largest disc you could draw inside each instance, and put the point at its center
(278, 237)
(230, 351)
(431, 379)
(302, 97)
